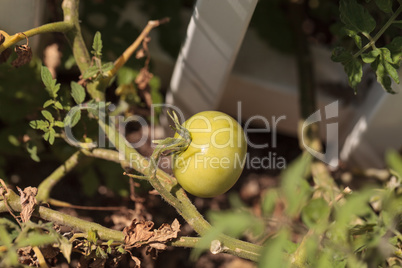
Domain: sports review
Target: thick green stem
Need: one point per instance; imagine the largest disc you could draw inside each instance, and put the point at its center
(80, 51)
(47, 184)
(61, 27)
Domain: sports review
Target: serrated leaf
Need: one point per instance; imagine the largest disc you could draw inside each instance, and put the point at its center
(49, 117)
(39, 124)
(384, 5)
(48, 103)
(47, 79)
(72, 118)
(395, 47)
(90, 72)
(97, 45)
(77, 92)
(59, 124)
(382, 75)
(354, 70)
(356, 17)
(385, 70)
(370, 56)
(50, 83)
(58, 105)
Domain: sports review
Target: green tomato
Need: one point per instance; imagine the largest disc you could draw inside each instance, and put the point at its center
(215, 158)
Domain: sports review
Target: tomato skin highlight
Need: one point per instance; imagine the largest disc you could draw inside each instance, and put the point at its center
(215, 158)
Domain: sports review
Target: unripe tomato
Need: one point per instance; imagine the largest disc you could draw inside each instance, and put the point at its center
(214, 160)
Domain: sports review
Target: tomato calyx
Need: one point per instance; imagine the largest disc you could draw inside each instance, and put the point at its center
(174, 145)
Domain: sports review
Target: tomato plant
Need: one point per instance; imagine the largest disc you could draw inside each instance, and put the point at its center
(214, 159)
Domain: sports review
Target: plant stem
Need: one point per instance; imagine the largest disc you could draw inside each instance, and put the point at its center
(71, 16)
(380, 32)
(133, 47)
(61, 26)
(47, 184)
(48, 214)
(177, 197)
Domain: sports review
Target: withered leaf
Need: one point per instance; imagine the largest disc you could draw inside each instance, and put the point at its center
(5, 55)
(24, 53)
(164, 234)
(137, 232)
(28, 202)
(143, 78)
(136, 261)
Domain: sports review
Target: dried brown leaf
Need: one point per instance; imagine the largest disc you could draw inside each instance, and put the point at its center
(164, 234)
(143, 78)
(136, 261)
(5, 55)
(140, 54)
(28, 202)
(24, 53)
(137, 232)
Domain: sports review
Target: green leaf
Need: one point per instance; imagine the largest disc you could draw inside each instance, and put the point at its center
(272, 253)
(50, 83)
(72, 118)
(59, 124)
(58, 105)
(47, 79)
(394, 161)
(107, 67)
(395, 47)
(97, 45)
(269, 200)
(92, 236)
(354, 70)
(90, 72)
(316, 213)
(52, 135)
(385, 70)
(356, 17)
(36, 239)
(384, 5)
(370, 56)
(48, 103)
(39, 124)
(126, 76)
(33, 153)
(294, 185)
(49, 117)
(77, 92)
